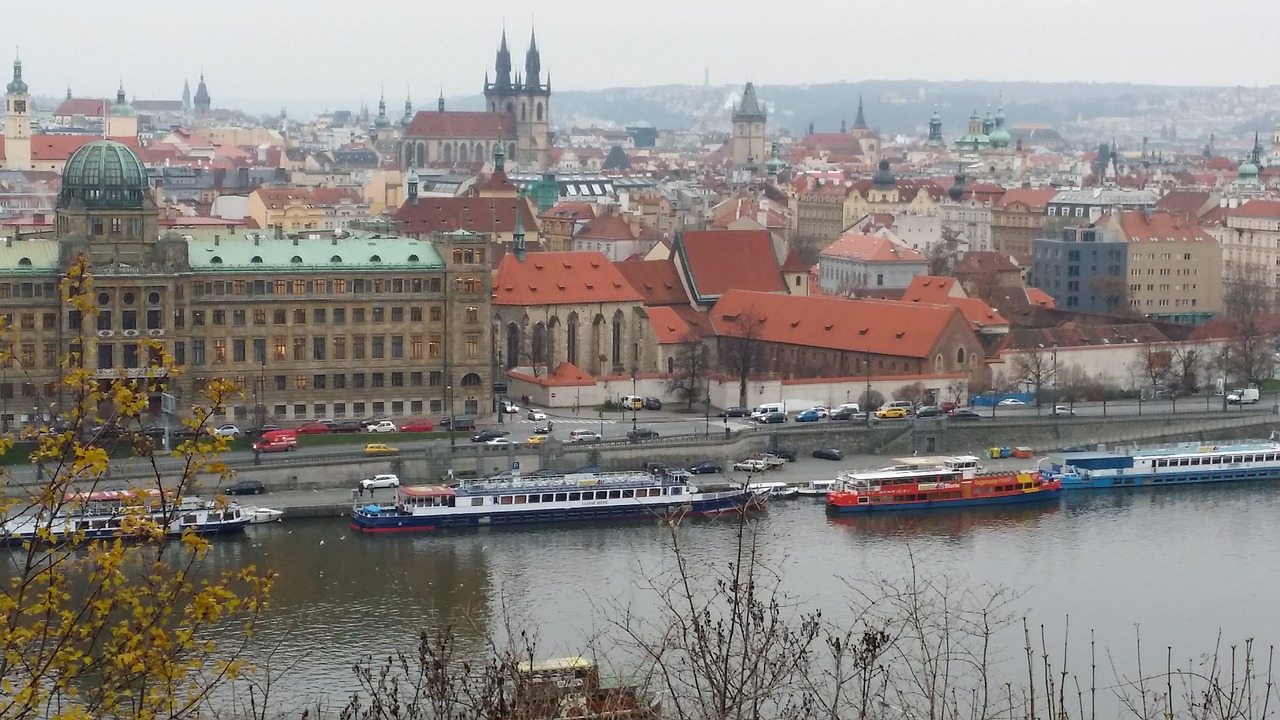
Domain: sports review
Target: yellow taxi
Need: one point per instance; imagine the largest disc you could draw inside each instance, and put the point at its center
(536, 439)
(378, 449)
(892, 412)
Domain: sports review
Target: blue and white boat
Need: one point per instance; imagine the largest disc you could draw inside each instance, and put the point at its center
(576, 497)
(128, 514)
(1177, 465)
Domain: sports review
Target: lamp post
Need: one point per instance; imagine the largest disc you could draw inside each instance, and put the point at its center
(867, 409)
(260, 398)
(706, 416)
(1226, 357)
(633, 394)
(448, 400)
(497, 406)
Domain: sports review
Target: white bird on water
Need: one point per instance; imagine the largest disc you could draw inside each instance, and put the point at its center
(321, 542)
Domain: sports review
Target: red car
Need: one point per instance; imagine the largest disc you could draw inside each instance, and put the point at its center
(313, 428)
(417, 426)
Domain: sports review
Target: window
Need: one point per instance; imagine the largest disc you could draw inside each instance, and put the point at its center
(357, 315)
(237, 318)
(317, 348)
(280, 352)
(317, 382)
(357, 380)
(376, 380)
(300, 383)
(436, 378)
(219, 317)
(259, 350)
(281, 381)
(155, 320)
(378, 314)
(219, 351)
(318, 316)
(377, 347)
(433, 346)
(436, 313)
(473, 346)
(339, 316)
(49, 321)
(415, 347)
(197, 318)
(357, 347)
(238, 351)
(339, 381)
(279, 316)
(397, 379)
(299, 348)
(260, 316)
(473, 315)
(299, 316)
(397, 314)
(415, 313)
(197, 352)
(415, 379)
(880, 279)
(397, 347)
(340, 348)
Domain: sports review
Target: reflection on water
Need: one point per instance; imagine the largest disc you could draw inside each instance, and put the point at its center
(1170, 559)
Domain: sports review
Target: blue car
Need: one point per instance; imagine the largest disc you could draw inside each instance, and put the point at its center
(808, 416)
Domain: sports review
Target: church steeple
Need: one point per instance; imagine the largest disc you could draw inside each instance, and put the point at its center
(203, 101)
(517, 235)
(860, 121)
(186, 94)
(408, 110)
(532, 63)
(16, 85)
(503, 63)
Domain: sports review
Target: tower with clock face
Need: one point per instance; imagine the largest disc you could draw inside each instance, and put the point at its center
(17, 122)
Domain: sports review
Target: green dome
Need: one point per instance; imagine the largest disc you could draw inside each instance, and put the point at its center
(16, 85)
(104, 174)
(121, 107)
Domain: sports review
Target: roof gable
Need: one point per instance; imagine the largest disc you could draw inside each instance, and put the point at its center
(656, 280)
(473, 214)
(563, 278)
(716, 261)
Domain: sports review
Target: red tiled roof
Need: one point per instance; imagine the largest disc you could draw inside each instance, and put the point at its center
(1184, 200)
(1220, 163)
(275, 198)
(60, 147)
(1034, 198)
(609, 226)
(979, 314)
(474, 214)
(91, 107)
(793, 263)
(484, 125)
(884, 327)
(841, 143)
(1257, 209)
(1036, 296)
(656, 280)
(497, 181)
(929, 289)
(563, 278)
(568, 210)
(980, 261)
(668, 327)
(717, 261)
(1159, 226)
(870, 248)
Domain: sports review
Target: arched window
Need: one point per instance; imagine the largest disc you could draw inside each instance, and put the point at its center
(539, 111)
(937, 363)
(960, 356)
(479, 153)
(513, 345)
(215, 260)
(413, 258)
(422, 154)
(797, 281)
(24, 262)
(374, 259)
(463, 153)
(471, 380)
(256, 260)
(538, 345)
(511, 107)
(617, 340)
(335, 258)
(571, 339)
(448, 152)
(511, 152)
(296, 259)
(671, 365)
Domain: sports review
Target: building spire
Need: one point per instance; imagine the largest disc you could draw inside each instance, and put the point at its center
(517, 235)
(860, 120)
(502, 64)
(532, 63)
(440, 102)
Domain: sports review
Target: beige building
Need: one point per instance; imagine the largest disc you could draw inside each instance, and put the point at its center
(1175, 266)
(317, 210)
(748, 143)
(350, 327)
(1250, 239)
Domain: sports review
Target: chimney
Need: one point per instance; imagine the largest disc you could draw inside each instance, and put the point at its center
(255, 239)
(295, 240)
(279, 232)
(216, 240)
(335, 240)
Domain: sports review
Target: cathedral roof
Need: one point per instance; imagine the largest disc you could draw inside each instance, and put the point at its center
(452, 124)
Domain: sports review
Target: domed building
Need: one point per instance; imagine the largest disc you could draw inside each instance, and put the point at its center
(105, 207)
(122, 120)
(999, 136)
(975, 139)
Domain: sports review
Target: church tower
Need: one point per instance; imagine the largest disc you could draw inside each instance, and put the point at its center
(748, 130)
(122, 121)
(527, 100)
(203, 101)
(17, 122)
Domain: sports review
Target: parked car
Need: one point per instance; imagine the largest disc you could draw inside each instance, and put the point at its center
(487, 435)
(536, 415)
(642, 433)
(459, 423)
(381, 426)
(380, 481)
(828, 454)
(822, 410)
(846, 413)
(928, 411)
(1010, 402)
(750, 465)
(947, 406)
(347, 426)
(282, 440)
(962, 414)
(890, 413)
(1062, 410)
(379, 449)
(245, 487)
(418, 426)
(788, 454)
(314, 428)
(734, 412)
(808, 416)
(227, 430)
(772, 418)
(706, 467)
(652, 403)
(585, 436)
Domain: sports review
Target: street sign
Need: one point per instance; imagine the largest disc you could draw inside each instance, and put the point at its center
(553, 396)
(500, 388)
(515, 464)
(168, 404)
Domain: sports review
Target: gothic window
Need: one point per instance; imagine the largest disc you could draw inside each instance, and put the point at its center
(471, 380)
(479, 153)
(422, 154)
(617, 340)
(513, 345)
(511, 152)
(538, 347)
(538, 111)
(463, 153)
(511, 107)
(524, 114)
(571, 339)
(448, 153)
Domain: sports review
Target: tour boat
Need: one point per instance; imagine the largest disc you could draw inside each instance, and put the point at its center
(929, 483)
(1182, 464)
(574, 497)
(819, 488)
(107, 514)
(776, 490)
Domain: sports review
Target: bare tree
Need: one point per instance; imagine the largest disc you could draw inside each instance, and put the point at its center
(1154, 363)
(740, 348)
(870, 400)
(941, 255)
(1034, 367)
(688, 381)
(914, 393)
(1189, 360)
(1250, 353)
(1114, 291)
(1245, 293)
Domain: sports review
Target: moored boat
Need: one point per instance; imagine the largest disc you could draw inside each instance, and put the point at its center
(776, 490)
(107, 514)
(576, 497)
(571, 687)
(937, 483)
(260, 515)
(819, 488)
(1184, 464)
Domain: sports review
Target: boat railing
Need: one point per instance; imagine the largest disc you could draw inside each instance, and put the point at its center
(572, 480)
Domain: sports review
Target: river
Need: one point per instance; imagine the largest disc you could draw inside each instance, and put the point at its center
(1182, 563)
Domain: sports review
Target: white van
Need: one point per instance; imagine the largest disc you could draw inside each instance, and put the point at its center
(632, 402)
(767, 408)
(1243, 396)
(904, 404)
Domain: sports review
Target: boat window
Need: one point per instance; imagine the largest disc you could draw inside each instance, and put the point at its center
(189, 520)
(548, 497)
(677, 491)
(520, 499)
(574, 497)
(535, 498)
(477, 501)
(504, 500)
(628, 493)
(561, 497)
(615, 494)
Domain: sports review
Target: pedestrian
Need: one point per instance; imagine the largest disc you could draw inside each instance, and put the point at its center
(362, 491)
(550, 426)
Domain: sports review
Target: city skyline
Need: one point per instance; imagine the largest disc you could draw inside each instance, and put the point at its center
(1135, 42)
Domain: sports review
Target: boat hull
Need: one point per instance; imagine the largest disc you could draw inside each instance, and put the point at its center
(1102, 482)
(393, 521)
(1039, 496)
(223, 528)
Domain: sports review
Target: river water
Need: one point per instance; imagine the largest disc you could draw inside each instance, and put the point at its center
(1181, 563)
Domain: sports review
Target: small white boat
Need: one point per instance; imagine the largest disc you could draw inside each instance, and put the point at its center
(778, 490)
(819, 488)
(259, 515)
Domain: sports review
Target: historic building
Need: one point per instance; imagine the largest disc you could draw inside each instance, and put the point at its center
(305, 329)
(517, 117)
(1017, 218)
(748, 131)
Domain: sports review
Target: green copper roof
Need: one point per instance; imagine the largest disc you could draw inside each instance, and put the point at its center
(29, 256)
(361, 252)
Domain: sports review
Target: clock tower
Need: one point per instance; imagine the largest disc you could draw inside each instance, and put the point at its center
(17, 122)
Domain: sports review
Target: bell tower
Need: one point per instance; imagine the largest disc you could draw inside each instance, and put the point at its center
(527, 100)
(17, 122)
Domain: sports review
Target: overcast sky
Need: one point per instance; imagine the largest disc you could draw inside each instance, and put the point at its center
(283, 52)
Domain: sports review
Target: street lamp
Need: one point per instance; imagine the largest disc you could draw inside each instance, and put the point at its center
(706, 416)
(867, 409)
(633, 395)
(448, 399)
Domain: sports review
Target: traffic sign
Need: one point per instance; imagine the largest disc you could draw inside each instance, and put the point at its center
(515, 464)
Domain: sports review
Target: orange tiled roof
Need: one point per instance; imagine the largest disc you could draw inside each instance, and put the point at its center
(1159, 226)
(1036, 296)
(563, 278)
(929, 289)
(473, 214)
(1257, 209)
(1033, 198)
(275, 198)
(883, 327)
(716, 261)
(609, 226)
(656, 280)
(568, 210)
(793, 263)
(451, 124)
(668, 327)
(870, 248)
